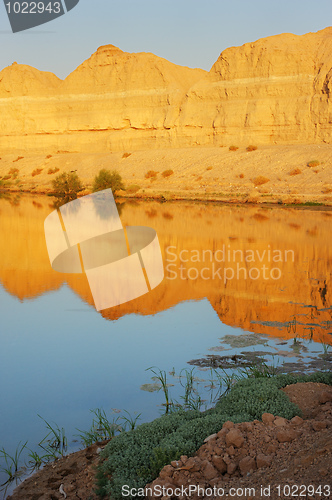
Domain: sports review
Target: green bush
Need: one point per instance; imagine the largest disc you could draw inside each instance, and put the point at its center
(67, 185)
(108, 180)
(136, 457)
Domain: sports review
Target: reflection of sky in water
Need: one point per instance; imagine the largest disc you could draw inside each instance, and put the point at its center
(59, 358)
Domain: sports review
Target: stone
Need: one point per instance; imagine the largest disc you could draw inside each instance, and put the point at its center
(286, 435)
(166, 471)
(280, 422)
(267, 418)
(193, 464)
(263, 460)
(318, 425)
(325, 397)
(211, 437)
(231, 468)
(209, 472)
(228, 425)
(219, 464)
(234, 437)
(297, 420)
(247, 464)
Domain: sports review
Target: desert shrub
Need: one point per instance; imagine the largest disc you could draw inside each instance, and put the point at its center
(53, 170)
(258, 181)
(313, 163)
(67, 185)
(6, 177)
(151, 174)
(48, 156)
(241, 176)
(126, 155)
(233, 148)
(251, 148)
(14, 172)
(37, 171)
(295, 171)
(135, 458)
(209, 168)
(18, 158)
(108, 180)
(167, 173)
(133, 188)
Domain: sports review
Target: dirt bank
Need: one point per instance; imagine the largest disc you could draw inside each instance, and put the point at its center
(270, 174)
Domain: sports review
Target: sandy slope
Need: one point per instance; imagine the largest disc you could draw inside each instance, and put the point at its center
(199, 172)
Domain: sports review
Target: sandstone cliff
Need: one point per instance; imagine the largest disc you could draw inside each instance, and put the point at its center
(275, 90)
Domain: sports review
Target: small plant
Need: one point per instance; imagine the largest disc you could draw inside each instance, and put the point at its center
(37, 171)
(14, 172)
(251, 148)
(107, 179)
(241, 176)
(162, 377)
(313, 163)
(56, 441)
(151, 174)
(131, 421)
(101, 429)
(48, 156)
(53, 170)
(11, 467)
(133, 188)
(233, 148)
(295, 171)
(126, 155)
(67, 186)
(167, 173)
(209, 168)
(18, 158)
(6, 177)
(258, 181)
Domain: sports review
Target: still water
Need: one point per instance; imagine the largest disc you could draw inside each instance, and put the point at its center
(237, 280)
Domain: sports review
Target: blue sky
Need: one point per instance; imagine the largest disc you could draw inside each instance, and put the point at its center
(186, 32)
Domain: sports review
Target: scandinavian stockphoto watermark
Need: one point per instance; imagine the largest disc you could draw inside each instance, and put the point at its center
(24, 15)
(226, 263)
(86, 236)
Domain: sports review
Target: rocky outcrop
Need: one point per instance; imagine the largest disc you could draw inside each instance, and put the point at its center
(275, 90)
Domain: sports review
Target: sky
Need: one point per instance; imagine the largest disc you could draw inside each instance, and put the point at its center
(186, 32)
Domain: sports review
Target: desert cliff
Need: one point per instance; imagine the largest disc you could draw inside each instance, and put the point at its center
(274, 90)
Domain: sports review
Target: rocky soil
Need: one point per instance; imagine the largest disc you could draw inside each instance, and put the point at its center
(294, 456)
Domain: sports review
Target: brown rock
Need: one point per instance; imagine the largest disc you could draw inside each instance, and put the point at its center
(318, 425)
(228, 425)
(280, 422)
(324, 397)
(193, 464)
(166, 471)
(263, 460)
(247, 464)
(231, 468)
(219, 464)
(235, 437)
(209, 472)
(286, 435)
(297, 420)
(267, 418)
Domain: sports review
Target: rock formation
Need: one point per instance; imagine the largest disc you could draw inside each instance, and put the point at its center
(275, 90)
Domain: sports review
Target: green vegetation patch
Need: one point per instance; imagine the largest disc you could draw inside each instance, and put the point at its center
(135, 458)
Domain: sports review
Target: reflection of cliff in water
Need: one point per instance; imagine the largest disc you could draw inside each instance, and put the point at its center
(192, 238)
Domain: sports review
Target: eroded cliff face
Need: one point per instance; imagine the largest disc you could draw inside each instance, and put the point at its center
(275, 90)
